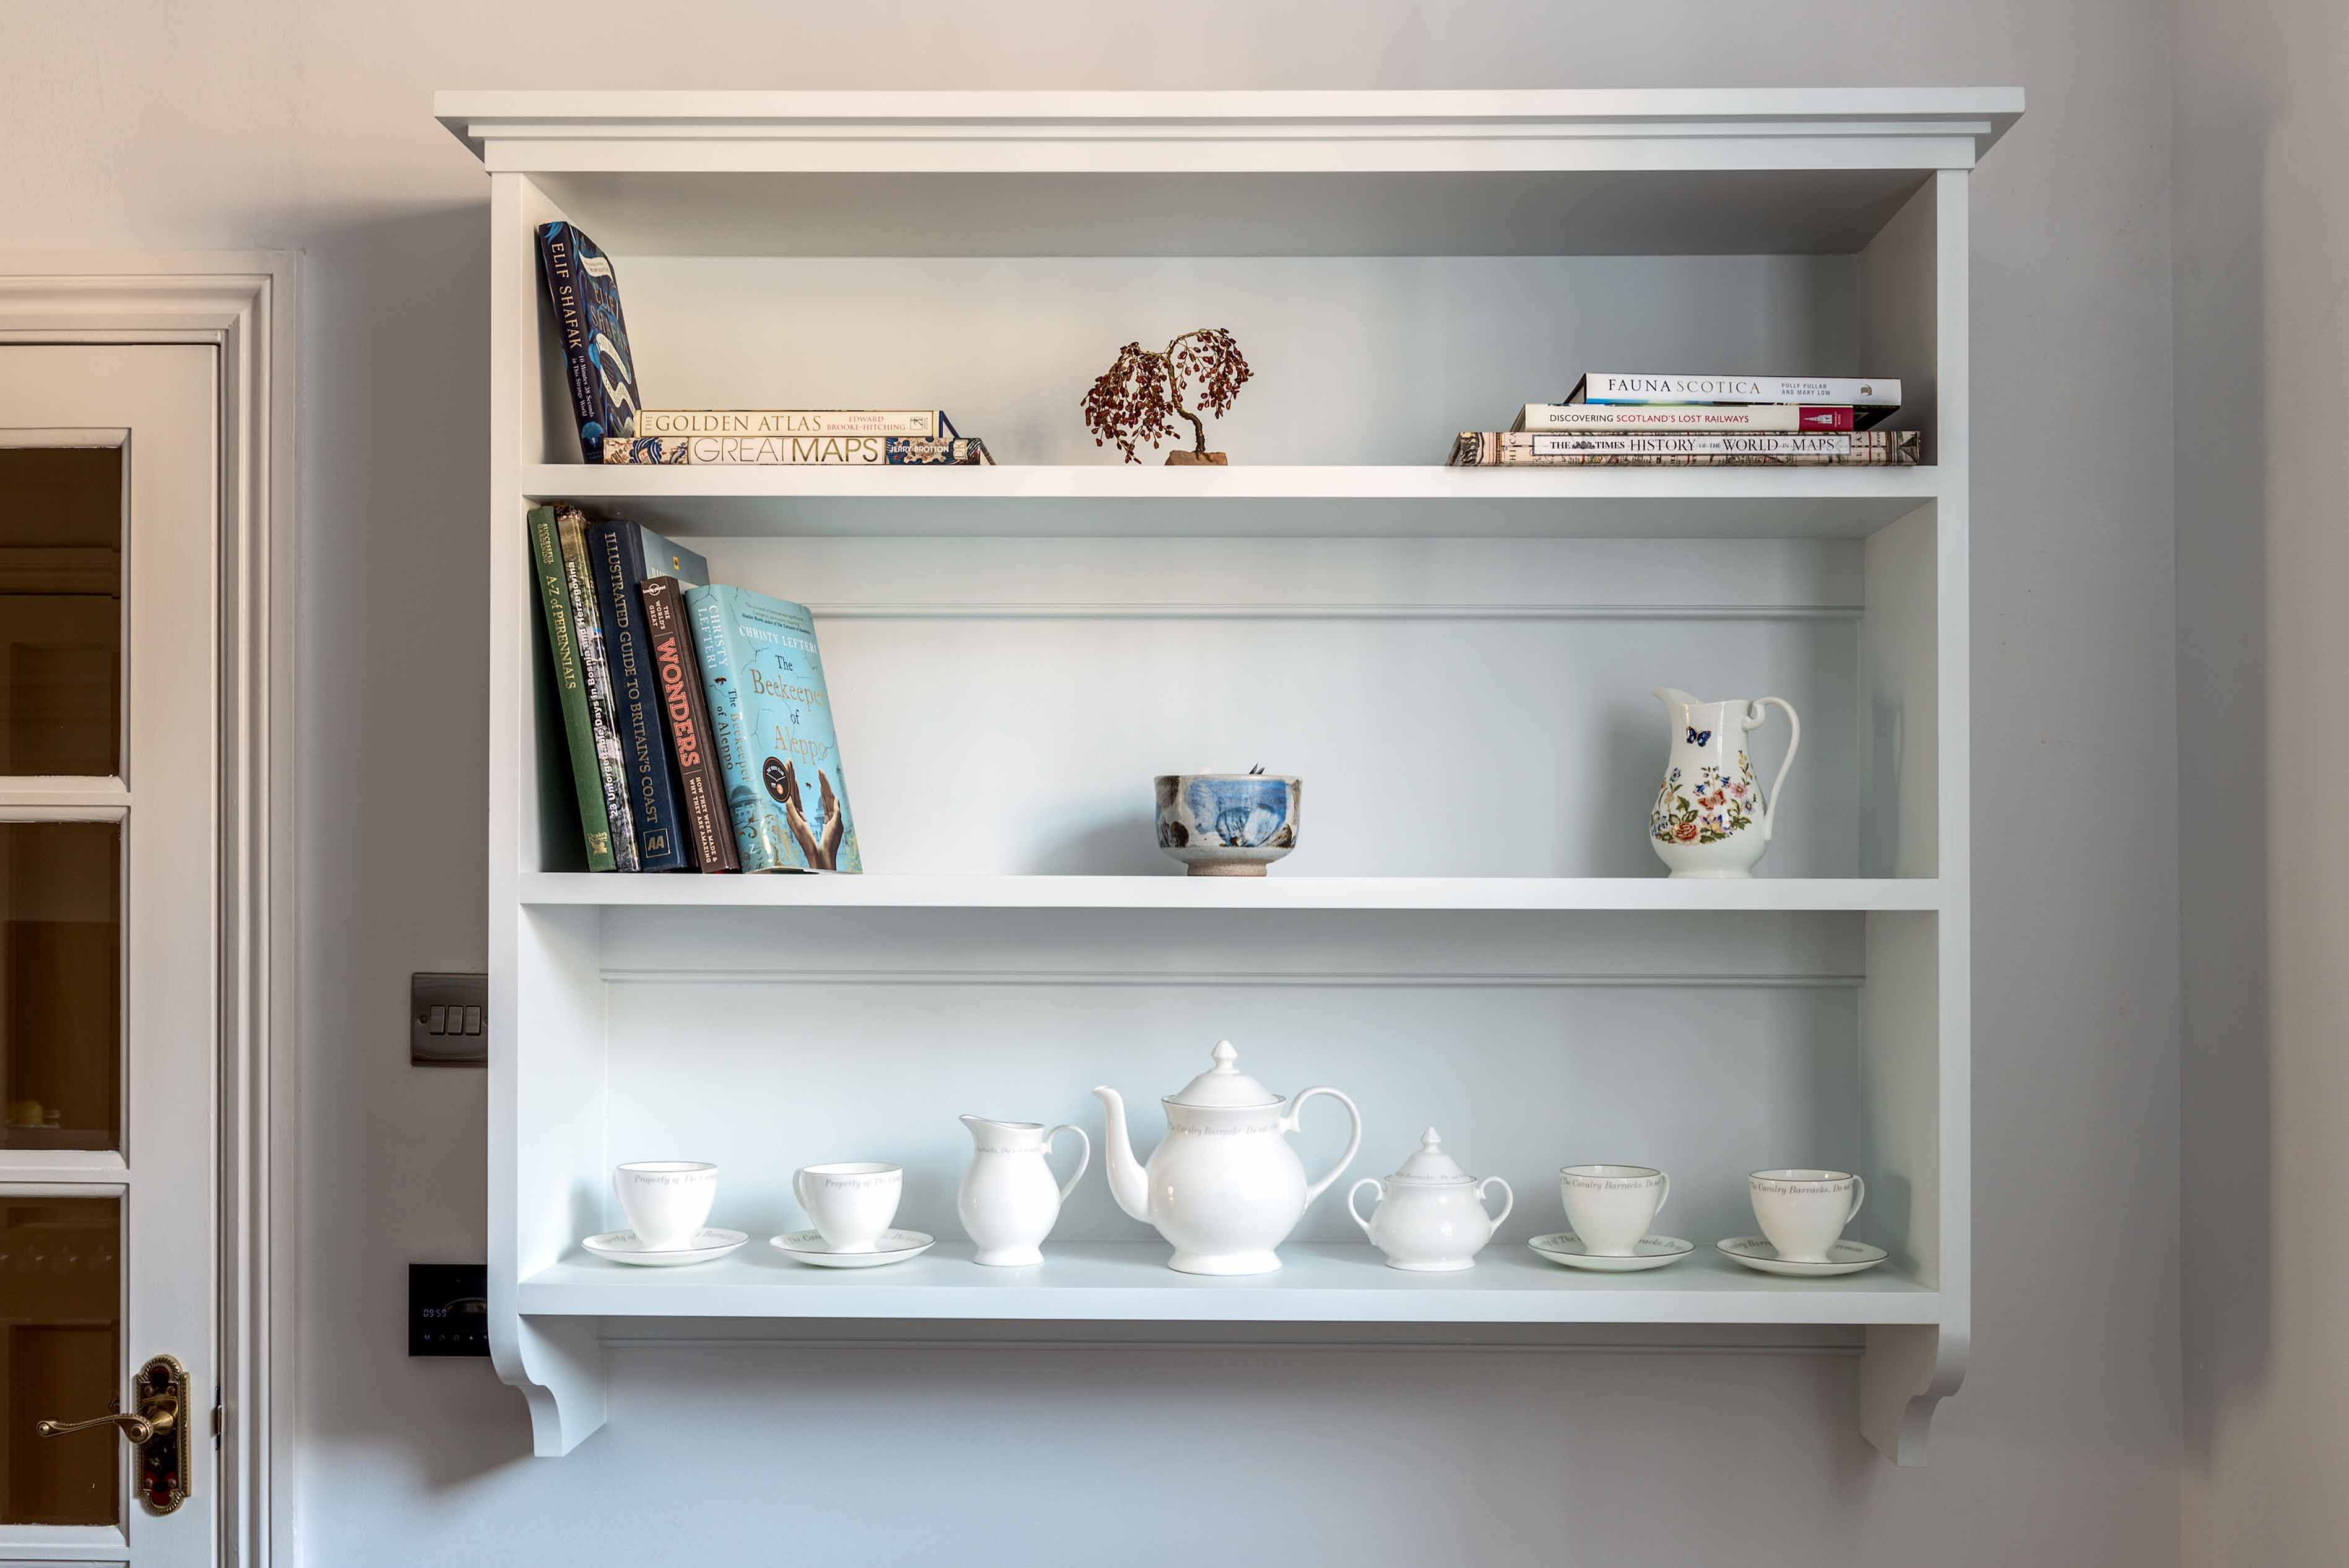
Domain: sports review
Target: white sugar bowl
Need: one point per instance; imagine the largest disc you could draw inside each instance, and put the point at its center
(1430, 1214)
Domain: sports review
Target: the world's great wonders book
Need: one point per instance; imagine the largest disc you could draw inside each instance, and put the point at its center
(571, 687)
(600, 371)
(772, 718)
(588, 624)
(625, 554)
(702, 789)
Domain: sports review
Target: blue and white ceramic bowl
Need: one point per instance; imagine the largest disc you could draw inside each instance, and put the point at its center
(1228, 824)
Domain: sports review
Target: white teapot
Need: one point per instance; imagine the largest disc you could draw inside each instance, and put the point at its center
(1223, 1186)
(1431, 1214)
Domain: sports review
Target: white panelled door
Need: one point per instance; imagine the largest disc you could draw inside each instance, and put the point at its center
(110, 921)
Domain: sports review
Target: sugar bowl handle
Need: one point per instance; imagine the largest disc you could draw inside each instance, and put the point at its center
(1508, 1198)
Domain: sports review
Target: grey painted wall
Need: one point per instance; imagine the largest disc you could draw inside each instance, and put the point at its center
(2262, 260)
(303, 124)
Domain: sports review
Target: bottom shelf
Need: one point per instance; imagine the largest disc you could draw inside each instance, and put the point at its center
(1130, 1282)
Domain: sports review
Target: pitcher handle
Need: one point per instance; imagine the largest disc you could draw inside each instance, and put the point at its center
(1355, 1191)
(1754, 716)
(1508, 1195)
(1289, 1121)
(1085, 1155)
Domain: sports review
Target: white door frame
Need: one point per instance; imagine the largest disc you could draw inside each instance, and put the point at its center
(242, 302)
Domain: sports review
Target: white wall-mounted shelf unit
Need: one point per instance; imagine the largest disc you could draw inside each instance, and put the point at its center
(1459, 660)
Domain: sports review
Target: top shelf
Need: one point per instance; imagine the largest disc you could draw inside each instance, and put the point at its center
(1109, 501)
(1615, 172)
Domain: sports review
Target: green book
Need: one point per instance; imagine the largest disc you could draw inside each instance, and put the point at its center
(570, 686)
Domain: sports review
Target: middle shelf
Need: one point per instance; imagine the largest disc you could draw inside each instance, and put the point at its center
(1129, 1281)
(873, 890)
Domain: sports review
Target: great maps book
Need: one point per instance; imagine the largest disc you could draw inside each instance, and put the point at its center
(586, 294)
(770, 717)
(811, 451)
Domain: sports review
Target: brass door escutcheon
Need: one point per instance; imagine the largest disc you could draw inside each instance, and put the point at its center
(159, 1430)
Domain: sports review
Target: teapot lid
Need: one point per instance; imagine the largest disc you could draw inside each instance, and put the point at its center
(1430, 1163)
(1224, 1085)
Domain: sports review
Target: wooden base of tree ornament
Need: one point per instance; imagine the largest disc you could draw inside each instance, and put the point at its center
(1175, 460)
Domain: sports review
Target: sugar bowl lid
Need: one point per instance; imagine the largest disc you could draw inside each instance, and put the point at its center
(1429, 1164)
(1223, 1086)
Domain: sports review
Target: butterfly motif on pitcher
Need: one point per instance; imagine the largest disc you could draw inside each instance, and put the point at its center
(1699, 736)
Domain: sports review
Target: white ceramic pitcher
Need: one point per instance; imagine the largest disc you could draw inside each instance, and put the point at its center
(1007, 1200)
(1711, 818)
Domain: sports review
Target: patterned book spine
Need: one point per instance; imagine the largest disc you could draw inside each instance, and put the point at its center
(578, 579)
(1868, 448)
(703, 791)
(571, 688)
(757, 836)
(923, 422)
(800, 451)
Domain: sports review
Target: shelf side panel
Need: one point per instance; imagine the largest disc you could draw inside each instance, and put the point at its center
(1899, 745)
(547, 1155)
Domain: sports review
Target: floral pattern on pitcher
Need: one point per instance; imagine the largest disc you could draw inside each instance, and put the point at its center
(1708, 809)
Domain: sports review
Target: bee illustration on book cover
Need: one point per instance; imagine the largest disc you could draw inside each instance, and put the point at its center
(771, 717)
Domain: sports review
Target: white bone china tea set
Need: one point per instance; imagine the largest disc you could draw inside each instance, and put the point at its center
(1225, 1189)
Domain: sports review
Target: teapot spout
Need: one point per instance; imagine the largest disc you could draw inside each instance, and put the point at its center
(1128, 1183)
(1674, 695)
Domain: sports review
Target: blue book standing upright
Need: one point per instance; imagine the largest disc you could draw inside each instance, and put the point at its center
(586, 294)
(771, 718)
(624, 555)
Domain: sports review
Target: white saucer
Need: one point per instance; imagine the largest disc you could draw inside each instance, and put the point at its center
(622, 1247)
(893, 1247)
(1655, 1251)
(1843, 1258)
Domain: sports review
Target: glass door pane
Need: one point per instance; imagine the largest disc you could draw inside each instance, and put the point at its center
(61, 1310)
(60, 986)
(61, 611)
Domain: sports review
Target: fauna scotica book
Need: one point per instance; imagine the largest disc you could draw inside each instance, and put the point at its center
(771, 719)
(586, 294)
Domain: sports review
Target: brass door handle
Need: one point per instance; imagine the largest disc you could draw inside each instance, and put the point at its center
(155, 1415)
(156, 1431)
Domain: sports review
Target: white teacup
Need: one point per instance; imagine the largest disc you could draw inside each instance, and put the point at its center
(850, 1201)
(1803, 1213)
(666, 1200)
(1611, 1206)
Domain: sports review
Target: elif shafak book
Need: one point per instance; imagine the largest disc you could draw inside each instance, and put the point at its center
(770, 717)
(586, 294)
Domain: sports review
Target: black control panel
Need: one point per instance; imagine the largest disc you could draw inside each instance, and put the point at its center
(447, 1309)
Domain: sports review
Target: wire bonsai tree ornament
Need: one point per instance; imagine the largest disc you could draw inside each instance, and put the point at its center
(1137, 398)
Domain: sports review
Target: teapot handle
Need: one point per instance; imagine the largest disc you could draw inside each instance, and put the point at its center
(1085, 1155)
(1754, 716)
(1289, 1122)
(1355, 1191)
(1507, 1192)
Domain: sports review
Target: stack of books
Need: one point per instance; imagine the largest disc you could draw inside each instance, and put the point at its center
(699, 723)
(1614, 419)
(583, 288)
